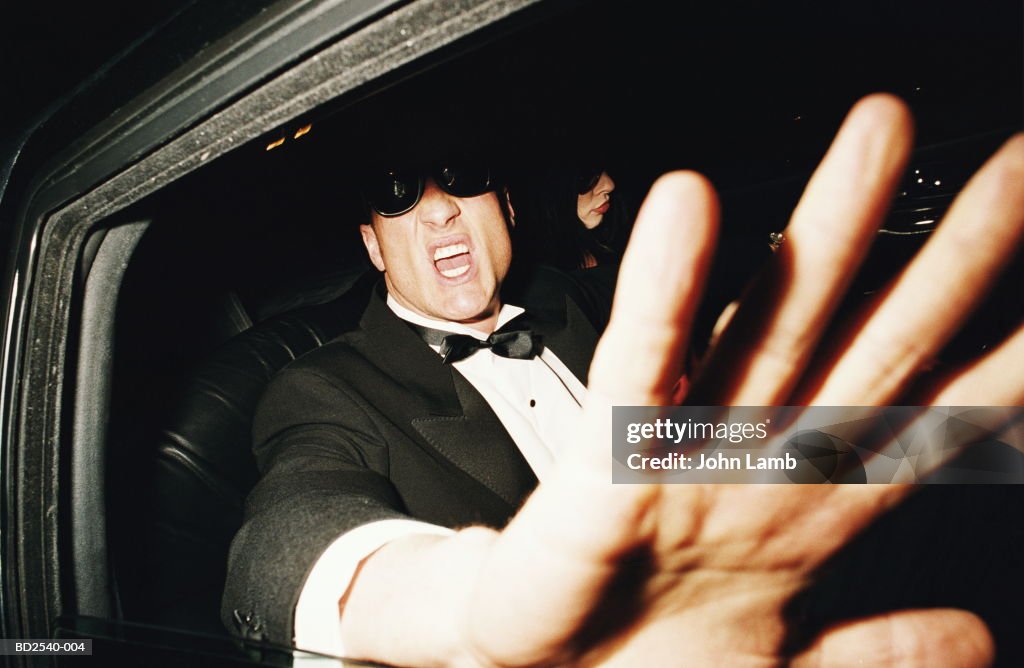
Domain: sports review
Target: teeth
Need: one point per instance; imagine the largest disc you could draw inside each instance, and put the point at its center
(452, 273)
(449, 251)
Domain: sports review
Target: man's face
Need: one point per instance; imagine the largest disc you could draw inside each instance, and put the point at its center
(446, 258)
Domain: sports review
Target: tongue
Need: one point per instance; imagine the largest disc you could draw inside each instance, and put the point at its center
(453, 262)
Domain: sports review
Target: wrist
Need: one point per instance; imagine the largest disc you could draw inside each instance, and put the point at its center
(409, 604)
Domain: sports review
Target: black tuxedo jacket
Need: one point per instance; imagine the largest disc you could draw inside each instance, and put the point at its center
(373, 426)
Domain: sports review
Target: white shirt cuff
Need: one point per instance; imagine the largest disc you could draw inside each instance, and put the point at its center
(317, 621)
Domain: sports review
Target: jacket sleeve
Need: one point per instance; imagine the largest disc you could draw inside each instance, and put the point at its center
(324, 472)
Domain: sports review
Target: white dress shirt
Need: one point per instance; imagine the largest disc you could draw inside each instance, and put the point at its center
(537, 401)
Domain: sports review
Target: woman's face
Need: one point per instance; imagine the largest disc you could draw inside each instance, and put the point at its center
(593, 204)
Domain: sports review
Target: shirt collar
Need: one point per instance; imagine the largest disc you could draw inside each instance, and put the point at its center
(506, 313)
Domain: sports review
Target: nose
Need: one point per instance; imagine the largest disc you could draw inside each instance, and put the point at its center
(605, 184)
(436, 207)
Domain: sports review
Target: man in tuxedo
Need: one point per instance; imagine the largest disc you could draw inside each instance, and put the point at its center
(394, 457)
(389, 422)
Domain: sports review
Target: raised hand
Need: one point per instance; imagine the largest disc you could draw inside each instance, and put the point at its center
(700, 575)
(690, 575)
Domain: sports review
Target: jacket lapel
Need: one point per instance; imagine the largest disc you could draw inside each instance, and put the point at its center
(454, 419)
(478, 444)
(391, 345)
(451, 418)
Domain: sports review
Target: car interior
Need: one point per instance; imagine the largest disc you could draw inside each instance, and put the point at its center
(208, 286)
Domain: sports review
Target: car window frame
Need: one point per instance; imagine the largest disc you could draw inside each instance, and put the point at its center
(44, 425)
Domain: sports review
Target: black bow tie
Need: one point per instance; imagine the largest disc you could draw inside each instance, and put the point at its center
(514, 340)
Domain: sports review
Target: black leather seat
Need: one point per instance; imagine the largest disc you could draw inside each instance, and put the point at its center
(170, 549)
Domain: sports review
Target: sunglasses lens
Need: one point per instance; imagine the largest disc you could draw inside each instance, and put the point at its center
(587, 181)
(393, 193)
(463, 180)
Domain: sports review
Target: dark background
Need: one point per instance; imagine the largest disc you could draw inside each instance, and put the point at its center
(48, 48)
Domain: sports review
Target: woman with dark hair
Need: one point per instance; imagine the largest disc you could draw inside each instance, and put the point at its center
(570, 219)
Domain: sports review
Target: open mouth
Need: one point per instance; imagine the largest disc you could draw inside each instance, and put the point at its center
(452, 260)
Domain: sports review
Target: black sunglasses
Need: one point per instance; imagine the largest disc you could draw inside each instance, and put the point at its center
(394, 192)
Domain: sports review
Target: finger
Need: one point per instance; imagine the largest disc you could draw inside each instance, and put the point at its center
(641, 355)
(996, 376)
(907, 638)
(638, 361)
(557, 556)
(762, 354)
(918, 313)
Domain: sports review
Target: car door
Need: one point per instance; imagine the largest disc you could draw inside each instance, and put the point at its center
(214, 77)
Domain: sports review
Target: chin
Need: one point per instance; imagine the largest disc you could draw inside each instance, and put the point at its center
(468, 307)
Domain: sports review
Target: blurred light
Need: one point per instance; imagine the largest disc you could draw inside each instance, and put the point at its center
(274, 144)
(919, 180)
(303, 130)
(938, 183)
(925, 222)
(917, 171)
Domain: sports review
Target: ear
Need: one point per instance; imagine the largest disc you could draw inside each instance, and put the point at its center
(372, 246)
(508, 206)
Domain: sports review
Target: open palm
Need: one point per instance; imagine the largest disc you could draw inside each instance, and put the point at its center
(589, 572)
